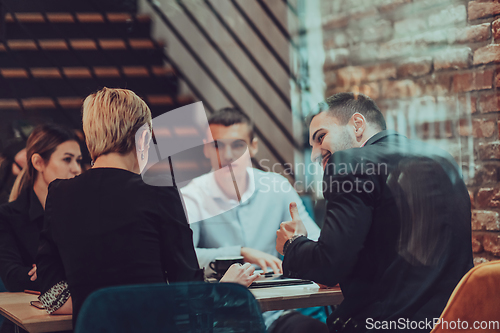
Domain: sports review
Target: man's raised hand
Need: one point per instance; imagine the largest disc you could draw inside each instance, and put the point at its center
(290, 228)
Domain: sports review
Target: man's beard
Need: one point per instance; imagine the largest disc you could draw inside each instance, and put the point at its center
(345, 141)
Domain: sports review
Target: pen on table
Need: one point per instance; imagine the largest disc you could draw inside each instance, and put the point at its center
(34, 292)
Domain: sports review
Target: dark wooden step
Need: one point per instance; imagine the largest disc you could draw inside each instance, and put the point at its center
(81, 81)
(76, 25)
(80, 52)
(129, 6)
(75, 102)
(87, 72)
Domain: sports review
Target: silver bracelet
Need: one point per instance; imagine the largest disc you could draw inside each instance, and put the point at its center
(289, 241)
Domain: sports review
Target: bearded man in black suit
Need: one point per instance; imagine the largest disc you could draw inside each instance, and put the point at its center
(397, 234)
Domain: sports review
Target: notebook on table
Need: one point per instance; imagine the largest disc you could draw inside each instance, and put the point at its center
(277, 280)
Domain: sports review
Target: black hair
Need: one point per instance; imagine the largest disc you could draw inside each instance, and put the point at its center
(230, 116)
(343, 105)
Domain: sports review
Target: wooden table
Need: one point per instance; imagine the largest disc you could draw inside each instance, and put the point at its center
(293, 297)
(16, 306)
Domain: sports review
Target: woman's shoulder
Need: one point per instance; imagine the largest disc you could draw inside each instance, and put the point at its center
(7, 211)
(106, 176)
(110, 183)
(60, 186)
(110, 180)
(17, 207)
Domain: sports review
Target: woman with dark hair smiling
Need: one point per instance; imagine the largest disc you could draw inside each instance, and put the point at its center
(107, 227)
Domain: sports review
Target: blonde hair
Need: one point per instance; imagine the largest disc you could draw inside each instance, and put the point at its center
(111, 118)
(17, 187)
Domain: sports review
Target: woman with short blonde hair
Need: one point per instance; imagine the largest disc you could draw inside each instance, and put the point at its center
(125, 231)
(111, 117)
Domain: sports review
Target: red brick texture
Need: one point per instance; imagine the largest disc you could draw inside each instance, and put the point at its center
(491, 243)
(475, 33)
(415, 67)
(488, 197)
(477, 243)
(489, 150)
(455, 58)
(487, 55)
(486, 173)
(489, 102)
(485, 220)
(495, 29)
(482, 9)
(477, 80)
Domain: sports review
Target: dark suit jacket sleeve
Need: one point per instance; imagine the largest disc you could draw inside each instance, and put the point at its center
(178, 256)
(50, 269)
(350, 203)
(13, 272)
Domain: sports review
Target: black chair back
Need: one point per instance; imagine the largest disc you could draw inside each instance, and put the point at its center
(181, 307)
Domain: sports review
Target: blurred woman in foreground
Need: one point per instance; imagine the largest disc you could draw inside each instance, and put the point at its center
(107, 227)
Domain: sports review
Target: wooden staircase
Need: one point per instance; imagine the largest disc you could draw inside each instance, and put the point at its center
(56, 52)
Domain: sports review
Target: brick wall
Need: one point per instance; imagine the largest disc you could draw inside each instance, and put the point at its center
(432, 67)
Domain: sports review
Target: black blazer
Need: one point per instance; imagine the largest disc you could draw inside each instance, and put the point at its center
(20, 224)
(397, 234)
(106, 227)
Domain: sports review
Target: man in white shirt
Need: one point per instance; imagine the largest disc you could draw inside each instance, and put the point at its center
(236, 209)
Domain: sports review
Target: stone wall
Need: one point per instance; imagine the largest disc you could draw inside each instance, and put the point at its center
(431, 66)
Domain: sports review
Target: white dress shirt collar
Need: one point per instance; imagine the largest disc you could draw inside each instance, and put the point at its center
(214, 191)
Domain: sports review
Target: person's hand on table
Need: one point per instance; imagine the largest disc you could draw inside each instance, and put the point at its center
(262, 259)
(290, 228)
(242, 274)
(32, 273)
